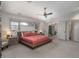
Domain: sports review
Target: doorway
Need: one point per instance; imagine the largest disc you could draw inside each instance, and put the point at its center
(50, 30)
(75, 30)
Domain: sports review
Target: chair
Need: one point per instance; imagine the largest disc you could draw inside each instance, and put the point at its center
(4, 40)
(4, 43)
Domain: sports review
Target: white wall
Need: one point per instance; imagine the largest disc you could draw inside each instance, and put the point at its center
(5, 26)
(43, 27)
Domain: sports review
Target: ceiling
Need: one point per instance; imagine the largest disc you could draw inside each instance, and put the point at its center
(31, 9)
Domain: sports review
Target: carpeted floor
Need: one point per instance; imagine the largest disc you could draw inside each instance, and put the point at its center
(55, 49)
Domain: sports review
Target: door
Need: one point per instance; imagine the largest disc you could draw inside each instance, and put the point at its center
(76, 31)
(50, 30)
(61, 30)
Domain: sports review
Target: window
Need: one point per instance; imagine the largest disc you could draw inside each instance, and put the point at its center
(24, 23)
(14, 28)
(24, 26)
(14, 25)
(17, 26)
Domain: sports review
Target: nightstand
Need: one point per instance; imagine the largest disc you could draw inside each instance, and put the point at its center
(12, 41)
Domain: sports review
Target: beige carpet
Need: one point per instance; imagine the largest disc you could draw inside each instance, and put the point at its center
(57, 48)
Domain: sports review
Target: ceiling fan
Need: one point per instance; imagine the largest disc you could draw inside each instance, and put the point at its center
(45, 14)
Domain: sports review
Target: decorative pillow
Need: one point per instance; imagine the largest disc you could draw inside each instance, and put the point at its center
(26, 34)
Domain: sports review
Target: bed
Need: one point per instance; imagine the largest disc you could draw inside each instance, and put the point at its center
(33, 39)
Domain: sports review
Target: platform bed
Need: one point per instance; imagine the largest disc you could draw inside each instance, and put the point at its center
(36, 45)
(33, 40)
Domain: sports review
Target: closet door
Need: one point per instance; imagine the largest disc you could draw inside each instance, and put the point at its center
(61, 32)
(76, 31)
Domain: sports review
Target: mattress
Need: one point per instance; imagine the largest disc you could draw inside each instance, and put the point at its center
(35, 39)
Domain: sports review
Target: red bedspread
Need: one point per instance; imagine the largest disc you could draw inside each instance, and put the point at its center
(35, 39)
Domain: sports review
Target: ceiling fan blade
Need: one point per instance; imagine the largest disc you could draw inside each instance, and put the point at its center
(49, 13)
(45, 14)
